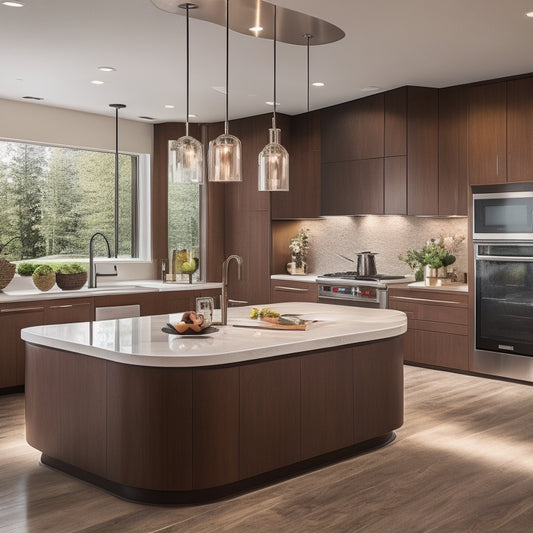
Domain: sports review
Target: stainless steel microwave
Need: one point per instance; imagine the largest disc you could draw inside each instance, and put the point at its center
(503, 216)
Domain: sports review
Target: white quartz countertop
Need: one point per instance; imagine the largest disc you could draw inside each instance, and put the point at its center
(117, 287)
(453, 287)
(308, 278)
(140, 341)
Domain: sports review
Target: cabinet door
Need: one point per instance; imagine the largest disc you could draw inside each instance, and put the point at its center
(13, 318)
(487, 137)
(303, 198)
(442, 349)
(327, 402)
(269, 415)
(422, 160)
(354, 130)
(144, 300)
(293, 291)
(519, 130)
(67, 311)
(248, 235)
(453, 161)
(395, 185)
(396, 122)
(353, 187)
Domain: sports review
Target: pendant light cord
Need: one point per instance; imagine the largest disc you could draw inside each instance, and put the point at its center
(116, 182)
(308, 36)
(227, 69)
(187, 7)
(275, 67)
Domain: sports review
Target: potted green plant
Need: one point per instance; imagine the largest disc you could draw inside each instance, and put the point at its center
(7, 269)
(44, 277)
(70, 276)
(431, 262)
(27, 269)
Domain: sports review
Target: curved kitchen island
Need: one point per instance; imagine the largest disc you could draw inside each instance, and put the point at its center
(173, 419)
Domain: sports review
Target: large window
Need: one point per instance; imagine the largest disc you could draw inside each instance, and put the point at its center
(53, 199)
(184, 222)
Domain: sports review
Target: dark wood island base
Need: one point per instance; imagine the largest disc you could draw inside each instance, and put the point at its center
(193, 434)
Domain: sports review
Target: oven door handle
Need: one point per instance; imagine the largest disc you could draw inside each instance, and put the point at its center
(501, 258)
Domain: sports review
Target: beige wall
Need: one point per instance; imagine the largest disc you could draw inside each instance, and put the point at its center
(53, 125)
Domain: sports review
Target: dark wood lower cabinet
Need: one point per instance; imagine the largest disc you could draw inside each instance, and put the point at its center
(327, 402)
(269, 415)
(192, 434)
(437, 323)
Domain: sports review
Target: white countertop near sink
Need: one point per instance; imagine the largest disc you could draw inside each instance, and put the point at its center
(109, 288)
(140, 341)
(308, 278)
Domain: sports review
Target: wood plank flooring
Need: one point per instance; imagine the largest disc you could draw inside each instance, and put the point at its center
(462, 462)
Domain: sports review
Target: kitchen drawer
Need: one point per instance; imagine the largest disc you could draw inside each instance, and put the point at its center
(441, 313)
(443, 327)
(293, 291)
(441, 349)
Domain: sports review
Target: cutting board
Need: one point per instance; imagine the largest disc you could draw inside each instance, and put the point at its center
(262, 324)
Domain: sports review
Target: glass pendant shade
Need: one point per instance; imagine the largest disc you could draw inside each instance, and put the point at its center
(273, 164)
(225, 158)
(185, 160)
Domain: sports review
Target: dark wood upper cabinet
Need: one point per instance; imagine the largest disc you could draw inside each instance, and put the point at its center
(422, 150)
(353, 187)
(453, 160)
(395, 185)
(354, 130)
(303, 198)
(520, 130)
(487, 137)
(396, 122)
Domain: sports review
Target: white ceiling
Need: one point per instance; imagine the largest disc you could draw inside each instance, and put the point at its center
(52, 49)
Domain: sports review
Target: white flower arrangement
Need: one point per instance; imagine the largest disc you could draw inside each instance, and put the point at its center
(299, 244)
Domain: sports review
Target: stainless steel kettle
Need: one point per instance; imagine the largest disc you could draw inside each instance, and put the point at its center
(366, 264)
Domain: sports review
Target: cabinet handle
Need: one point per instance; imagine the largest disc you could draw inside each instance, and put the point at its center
(424, 300)
(289, 289)
(67, 306)
(497, 165)
(22, 310)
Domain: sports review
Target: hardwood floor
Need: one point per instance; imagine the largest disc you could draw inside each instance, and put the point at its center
(462, 462)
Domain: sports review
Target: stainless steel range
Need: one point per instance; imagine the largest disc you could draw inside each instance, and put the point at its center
(348, 288)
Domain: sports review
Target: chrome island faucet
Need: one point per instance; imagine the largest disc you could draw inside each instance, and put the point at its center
(93, 275)
(224, 299)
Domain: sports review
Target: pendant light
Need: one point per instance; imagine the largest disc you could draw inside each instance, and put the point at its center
(186, 155)
(273, 160)
(225, 152)
(116, 107)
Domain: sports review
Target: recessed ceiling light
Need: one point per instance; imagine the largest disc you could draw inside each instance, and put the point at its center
(169, 106)
(318, 84)
(32, 98)
(192, 115)
(256, 29)
(370, 88)
(529, 14)
(13, 4)
(97, 82)
(272, 103)
(107, 69)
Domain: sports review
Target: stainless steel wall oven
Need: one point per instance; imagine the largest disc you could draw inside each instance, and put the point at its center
(503, 277)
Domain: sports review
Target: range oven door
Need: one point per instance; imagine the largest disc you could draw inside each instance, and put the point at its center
(504, 298)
